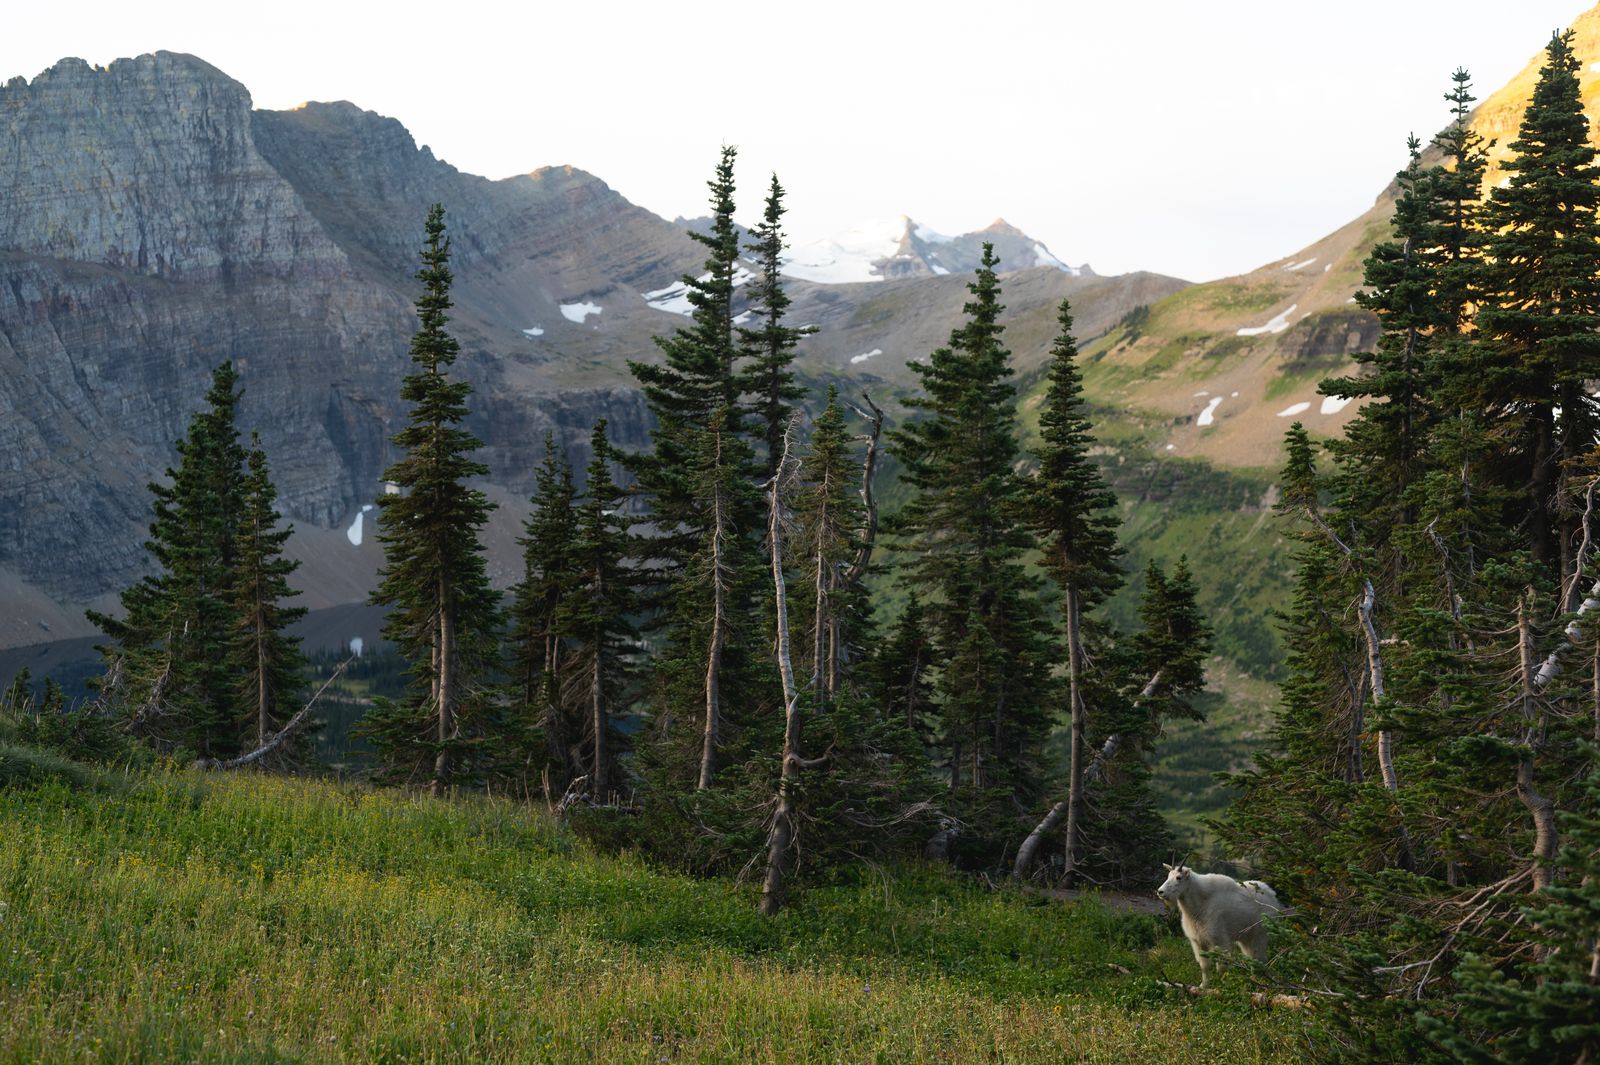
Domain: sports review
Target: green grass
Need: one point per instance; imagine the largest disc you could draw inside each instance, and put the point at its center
(247, 918)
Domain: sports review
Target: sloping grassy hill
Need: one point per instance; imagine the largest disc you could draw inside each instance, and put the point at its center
(179, 917)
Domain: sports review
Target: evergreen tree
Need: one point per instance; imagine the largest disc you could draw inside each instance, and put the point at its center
(443, 614)
(965, 542)
(827, 546)
(695, 377)
(902, 670)
(595, 612)
(705, 507)
(1539, 325)
(170, 671)
(537, 653)
(1545, 1007)
(268, 660)
(767, 378)
(1073, 512)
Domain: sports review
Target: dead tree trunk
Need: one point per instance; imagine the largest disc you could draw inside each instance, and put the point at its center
(1540, 807)
(1079, 733)
(780, 838)
(719, 622)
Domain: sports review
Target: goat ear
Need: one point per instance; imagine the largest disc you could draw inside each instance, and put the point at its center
(1167, 867)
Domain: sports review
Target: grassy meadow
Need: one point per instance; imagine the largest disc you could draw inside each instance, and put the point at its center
(173, 916)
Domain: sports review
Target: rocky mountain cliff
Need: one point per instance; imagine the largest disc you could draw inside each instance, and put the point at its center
(154, 224)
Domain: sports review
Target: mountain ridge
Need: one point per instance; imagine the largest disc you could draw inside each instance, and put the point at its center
(160, 223)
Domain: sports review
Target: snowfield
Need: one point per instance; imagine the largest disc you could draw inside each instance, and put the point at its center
(1208, 415)
(577, 312)
(1278, 324)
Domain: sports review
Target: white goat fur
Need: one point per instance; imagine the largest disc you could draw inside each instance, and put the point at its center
(1218, 913)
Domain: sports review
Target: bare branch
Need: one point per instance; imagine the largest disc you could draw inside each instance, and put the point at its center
(276, 739)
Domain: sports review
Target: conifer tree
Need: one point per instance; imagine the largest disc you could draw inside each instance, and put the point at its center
(443, 614)
(1547, 1008)
(828, 541)
(696, 374)
(963, 533)
(1540, 321)
(268, 660)
(170, 670)
(594, 613)
(902, 669)
(704, 504)
(1073, 512)
(536, 651)
(767, 378)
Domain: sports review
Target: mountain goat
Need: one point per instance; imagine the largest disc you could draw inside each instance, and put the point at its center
(1219, 912)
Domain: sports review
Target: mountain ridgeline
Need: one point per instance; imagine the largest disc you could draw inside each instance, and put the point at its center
(157, 224)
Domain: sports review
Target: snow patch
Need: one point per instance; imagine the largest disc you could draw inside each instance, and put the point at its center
(674, 299)
(1200, 393)
(577, 312)
(1294, 408)
(1233, 395)
(1301, 266)
(852, 256)
(928, 236)
(1278, 324)
(866, 355)
(937, 269)
(353, 534)
(1208, 415)
(1325, 269)
(1171, 447)
(390, 488)
(533, 331)
(1333, 404)
(742, 317)
(356, 644)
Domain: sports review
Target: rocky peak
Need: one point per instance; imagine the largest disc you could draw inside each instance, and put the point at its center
(167, 180)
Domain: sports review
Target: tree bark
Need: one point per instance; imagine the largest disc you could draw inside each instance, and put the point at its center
(719, 621)
(1079, 734)
(597, 709)
(1540, 807)
(263, 701)
(447, 695)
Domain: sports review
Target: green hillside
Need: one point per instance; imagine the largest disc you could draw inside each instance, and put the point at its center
(171, 916)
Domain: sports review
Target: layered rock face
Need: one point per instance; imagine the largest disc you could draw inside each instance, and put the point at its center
(154, 224)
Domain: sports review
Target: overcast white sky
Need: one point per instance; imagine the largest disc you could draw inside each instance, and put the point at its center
(1195, 138)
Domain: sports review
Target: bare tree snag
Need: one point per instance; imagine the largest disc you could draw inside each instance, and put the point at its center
(446, 682)
(869, 469)
(719, 619)
(780, 838)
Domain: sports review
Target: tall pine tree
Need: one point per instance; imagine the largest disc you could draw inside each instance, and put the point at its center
(442, 613)
(963, 534)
